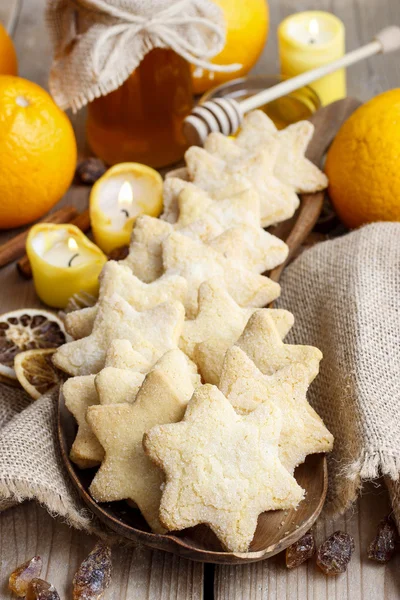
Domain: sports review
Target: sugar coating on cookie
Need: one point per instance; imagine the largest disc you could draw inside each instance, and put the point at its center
(198, 262)
(231, 226)
(217, 326)
(303, 431)
(254, 248)
(221, 468)
(172, 188)
(247, 170)
(291, 166)
(121, 355)
(151, 332)
(80, 393)
(119, 279)
(145, 251)
(203, 218)
(260, 340)
(115, 386)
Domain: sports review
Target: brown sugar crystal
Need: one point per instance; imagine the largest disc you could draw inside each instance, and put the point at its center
(334, 554)
(94, 575)
(383, 546)
(39, 589)
(23, 575)
(301, 550)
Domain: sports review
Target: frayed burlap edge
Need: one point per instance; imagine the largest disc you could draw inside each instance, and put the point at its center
(394, 494)
(369, 467)
(15, 492)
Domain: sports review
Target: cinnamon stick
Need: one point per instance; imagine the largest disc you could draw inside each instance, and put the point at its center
(82, 221)
(14, 248)
(24, 267)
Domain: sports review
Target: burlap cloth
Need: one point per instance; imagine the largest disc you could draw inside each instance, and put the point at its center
(99, 43)
(345, 295)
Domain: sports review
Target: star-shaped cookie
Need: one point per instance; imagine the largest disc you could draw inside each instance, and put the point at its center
(217, 326)
(231, 226)
(291, 166)
(200, 215)
(261, 341)
(198, 262)
(248, 170)
(303, 431)
(221, 468)
(172, 188)
(126, 472)
(254, 248)
(119, 279)
(151, 332)
(115, 385)
(205, 220)
(80, 393)
(121, 355)
(145, 251)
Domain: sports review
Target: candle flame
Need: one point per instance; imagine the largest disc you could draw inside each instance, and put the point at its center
(72, 244)
(313, 28)
(125, 195)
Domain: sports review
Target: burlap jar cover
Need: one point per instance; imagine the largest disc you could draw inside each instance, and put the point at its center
(99, 43)
(345, 298)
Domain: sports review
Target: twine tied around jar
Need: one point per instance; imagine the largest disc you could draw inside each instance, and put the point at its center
(99, 43)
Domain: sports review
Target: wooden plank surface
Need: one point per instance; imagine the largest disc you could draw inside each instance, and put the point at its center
(28, 530)
(144, 574)
(364, 580)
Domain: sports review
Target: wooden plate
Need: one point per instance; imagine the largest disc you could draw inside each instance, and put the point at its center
(276, 530)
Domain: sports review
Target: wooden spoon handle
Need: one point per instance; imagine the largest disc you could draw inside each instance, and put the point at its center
(327, 122)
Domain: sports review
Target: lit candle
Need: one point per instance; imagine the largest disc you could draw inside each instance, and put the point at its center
(123, 193)
(311, 39)
(64, 261)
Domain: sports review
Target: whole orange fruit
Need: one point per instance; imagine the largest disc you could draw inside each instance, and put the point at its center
(363, 163)
(8, 57)
(247, 24)
(37, 152)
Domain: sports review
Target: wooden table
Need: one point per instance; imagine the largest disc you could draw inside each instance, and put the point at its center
(144, 574)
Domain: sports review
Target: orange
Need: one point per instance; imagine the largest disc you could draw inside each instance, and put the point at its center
(37, 152)
(8, 57)
(363, 163)
(246, 33)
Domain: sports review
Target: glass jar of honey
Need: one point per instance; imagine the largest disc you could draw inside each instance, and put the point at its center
(129, 62)
(141, 121)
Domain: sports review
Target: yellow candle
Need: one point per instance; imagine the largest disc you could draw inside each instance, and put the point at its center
(64, 261)
(118, 197)
(309, 40)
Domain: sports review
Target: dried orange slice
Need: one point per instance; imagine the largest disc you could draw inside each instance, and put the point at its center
(27, 329)
(35, 371)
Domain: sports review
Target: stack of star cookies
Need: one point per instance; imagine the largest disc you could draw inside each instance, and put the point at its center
(186, 397)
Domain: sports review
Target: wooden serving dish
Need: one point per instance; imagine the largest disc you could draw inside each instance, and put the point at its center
(276, 530)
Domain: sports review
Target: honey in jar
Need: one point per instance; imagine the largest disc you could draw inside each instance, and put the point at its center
(141, 121)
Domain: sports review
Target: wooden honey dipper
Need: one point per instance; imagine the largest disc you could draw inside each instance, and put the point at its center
(226, 115)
